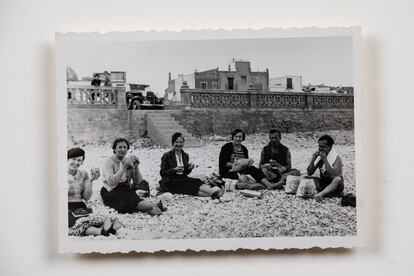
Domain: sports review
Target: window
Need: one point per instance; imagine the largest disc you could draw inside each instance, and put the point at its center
(243, 80)
(230, 81)
(203, 85)
(118, 76)
(289, 84)
(214, 85)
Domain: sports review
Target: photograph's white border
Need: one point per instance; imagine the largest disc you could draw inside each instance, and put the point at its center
(67, 245)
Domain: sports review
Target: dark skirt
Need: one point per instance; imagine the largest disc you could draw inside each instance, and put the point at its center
(122, 198)
(256, 173)
(183, 185)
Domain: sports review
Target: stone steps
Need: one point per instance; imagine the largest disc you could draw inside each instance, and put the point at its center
(161, 126)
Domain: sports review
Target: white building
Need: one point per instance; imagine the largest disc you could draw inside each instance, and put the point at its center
(286, 84)
(172, 93)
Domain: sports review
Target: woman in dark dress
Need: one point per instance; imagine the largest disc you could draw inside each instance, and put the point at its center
(234, 150)
(175, 167)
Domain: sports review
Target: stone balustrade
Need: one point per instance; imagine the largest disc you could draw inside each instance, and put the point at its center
(272, 100)
(96, 97)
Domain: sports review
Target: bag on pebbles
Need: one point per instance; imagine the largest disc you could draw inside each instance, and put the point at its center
(292, 184)
(230, 184)
(306, 188)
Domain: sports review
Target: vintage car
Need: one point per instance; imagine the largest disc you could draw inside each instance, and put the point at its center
(137, 97)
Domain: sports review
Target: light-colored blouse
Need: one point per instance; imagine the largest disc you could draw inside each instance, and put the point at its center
(179, 159)
(110, 168)
(77, 185)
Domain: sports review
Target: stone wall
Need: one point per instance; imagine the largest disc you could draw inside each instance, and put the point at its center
(104, 125)
(222, 121)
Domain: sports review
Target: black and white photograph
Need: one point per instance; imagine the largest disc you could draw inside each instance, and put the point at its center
(209, 143)
(206, 138)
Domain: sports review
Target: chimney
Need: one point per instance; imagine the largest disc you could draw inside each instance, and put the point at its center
(169, 76)
(229, 67)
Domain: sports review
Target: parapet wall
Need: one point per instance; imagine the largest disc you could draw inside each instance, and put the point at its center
(87, 125)
(104, 125)
(222, 121)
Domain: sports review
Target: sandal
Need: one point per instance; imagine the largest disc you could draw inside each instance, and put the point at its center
(115, 226)
(106, 227)
(216, 193)
(161, 205)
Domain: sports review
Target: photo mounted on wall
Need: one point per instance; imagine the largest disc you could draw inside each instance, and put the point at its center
(209, 140)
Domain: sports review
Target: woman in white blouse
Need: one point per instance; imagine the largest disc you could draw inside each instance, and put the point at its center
(121, 179)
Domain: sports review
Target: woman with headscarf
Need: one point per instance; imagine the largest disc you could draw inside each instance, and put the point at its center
(175, 167)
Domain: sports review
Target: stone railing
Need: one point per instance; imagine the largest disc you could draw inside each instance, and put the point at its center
(252, 99)
(95, 97)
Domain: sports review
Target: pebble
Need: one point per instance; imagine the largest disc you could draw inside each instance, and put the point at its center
(276, 214)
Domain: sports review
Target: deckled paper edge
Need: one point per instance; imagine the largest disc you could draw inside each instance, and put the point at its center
(66, 245)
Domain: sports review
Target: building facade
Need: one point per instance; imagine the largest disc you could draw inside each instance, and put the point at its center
(172, 93)
(286, 84)
(241, 78)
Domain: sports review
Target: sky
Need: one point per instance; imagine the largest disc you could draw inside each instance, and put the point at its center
(325, 60)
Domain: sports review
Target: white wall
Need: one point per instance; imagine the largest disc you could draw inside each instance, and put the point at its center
(179, 80)
(28, 132)
(279, 84)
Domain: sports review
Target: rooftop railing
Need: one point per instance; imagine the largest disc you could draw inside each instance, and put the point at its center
(253, 99)
(95, 97)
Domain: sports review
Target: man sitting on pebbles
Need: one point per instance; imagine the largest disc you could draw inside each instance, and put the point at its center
(330, 182)
(276, 161)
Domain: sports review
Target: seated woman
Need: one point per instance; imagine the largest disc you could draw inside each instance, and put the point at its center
(121, 179)
(234, 150)
(80, 189)
(175, 167)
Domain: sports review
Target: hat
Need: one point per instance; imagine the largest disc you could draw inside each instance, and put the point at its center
(76, 152)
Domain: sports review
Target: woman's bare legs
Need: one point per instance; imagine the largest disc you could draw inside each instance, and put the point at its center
(203, 194)
(209, 191)
(95, 231)
(148, 207)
